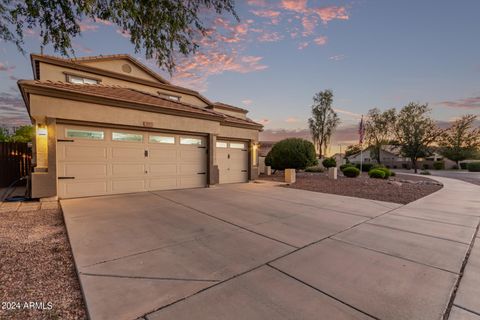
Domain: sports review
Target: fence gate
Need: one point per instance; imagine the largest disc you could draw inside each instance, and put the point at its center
(15, 162)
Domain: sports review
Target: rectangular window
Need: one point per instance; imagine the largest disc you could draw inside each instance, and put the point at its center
(80, 80)
(237, 145)
(162, 139)
(84, 134)
(195, 141)
(122, 136)
(221, 144)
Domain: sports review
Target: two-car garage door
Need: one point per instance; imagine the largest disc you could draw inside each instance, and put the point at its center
(99, 161)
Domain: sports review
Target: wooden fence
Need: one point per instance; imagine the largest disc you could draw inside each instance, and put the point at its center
(15, 162)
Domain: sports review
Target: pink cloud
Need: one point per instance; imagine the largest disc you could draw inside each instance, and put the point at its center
(270, 37)
(82, 48)
(266, 13)
(88, 27)
(247, 102)
(467, 103)
(309, 23)
(258, 3)
(348, 113)
(322, 40)
(302, 45)
(294, 5)
(6, 68)
(263, 121)
(330, 13)
(292, 120)
(29, 32)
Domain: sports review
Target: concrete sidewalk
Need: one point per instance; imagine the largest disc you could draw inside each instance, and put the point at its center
(256, 251)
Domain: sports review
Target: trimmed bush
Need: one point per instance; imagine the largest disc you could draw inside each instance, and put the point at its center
(463, 165)
(314, 169)
(347, 165)
(351, 172)
(366, 167)
(387, 172)
(439, 165)
(329, 163)
(376, 174)
(425, 172)
(473, 167)
(292, 153)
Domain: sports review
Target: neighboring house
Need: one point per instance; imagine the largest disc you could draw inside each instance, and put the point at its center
(108, 125)
(339, 158)
(389, 155)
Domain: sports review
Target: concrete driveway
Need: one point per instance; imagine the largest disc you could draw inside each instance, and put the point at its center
(260, 251)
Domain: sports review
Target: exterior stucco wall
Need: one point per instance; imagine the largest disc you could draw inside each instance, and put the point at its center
(116, 66)
(57, 73)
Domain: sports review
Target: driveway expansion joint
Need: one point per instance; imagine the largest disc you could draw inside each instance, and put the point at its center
(466, 309)
(146, 278)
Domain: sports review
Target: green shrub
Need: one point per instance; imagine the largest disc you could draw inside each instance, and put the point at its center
(351, 172)
(376, 174)
(329, 163)
(439, 165)
(463, 165)
(473, 166)
(347, 165)
(387, 172)
(425, 166)
(314, 169)
(366, 167)
(292, 153)
(425, 172)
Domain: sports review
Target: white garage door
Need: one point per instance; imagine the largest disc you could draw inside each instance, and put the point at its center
(232, 161)
(98, 161)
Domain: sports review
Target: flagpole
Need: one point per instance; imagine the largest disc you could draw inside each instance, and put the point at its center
(361, 131)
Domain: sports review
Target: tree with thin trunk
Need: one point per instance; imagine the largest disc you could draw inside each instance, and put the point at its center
(324, 121)
(159, 28)
(461, 141)
(415, 132)
(379, 128)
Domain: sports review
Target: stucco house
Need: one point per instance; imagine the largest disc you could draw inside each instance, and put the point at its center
(108, 125)
(389, 155)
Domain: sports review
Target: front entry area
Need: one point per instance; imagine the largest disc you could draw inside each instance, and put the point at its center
(100, 161)
(232, 160)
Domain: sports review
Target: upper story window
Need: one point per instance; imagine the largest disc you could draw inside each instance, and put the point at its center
(81, 80)
(169, 96)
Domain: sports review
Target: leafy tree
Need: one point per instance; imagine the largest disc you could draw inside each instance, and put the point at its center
(379, 130)
(415, 132)
(23, 134)
(323, 121)
(160, 27)
(4, 134)
(291, 153)
(329, 162)
(352, 149)
(461, 141)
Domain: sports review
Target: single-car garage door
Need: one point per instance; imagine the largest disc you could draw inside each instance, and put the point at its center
(98, 161)
(232, 161)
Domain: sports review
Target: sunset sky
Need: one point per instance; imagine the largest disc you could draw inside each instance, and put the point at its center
(370, 53)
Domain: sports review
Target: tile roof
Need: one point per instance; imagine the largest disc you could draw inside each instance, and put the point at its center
(228, 106)
(119, 93)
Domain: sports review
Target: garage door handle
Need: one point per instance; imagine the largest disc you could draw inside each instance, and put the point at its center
(201, 173)
(244, 170)
(65, 140)
(202, 147)
(65, 178)
(146, 153)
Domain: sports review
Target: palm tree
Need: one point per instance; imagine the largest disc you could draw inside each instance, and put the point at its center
(324, 120)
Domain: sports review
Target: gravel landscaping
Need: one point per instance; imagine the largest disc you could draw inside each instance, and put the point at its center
(36, 266)
(399, 189)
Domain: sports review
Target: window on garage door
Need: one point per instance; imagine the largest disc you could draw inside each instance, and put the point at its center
(162, 139)
(84, 134)
(123, 136)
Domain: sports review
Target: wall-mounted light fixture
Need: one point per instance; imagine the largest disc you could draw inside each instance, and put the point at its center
(42, 130)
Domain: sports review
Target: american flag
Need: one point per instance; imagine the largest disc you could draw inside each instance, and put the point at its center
(361, 131)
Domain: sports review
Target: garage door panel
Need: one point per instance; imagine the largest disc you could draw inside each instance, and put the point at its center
(193, 168)
(82, 152)
(130, 185)
(192, 181)
(163, 183)
(128, 153)
(128, 169)
(84, 170)
(191, 155)
(164, 154)
(72, 188)
(163, 169)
